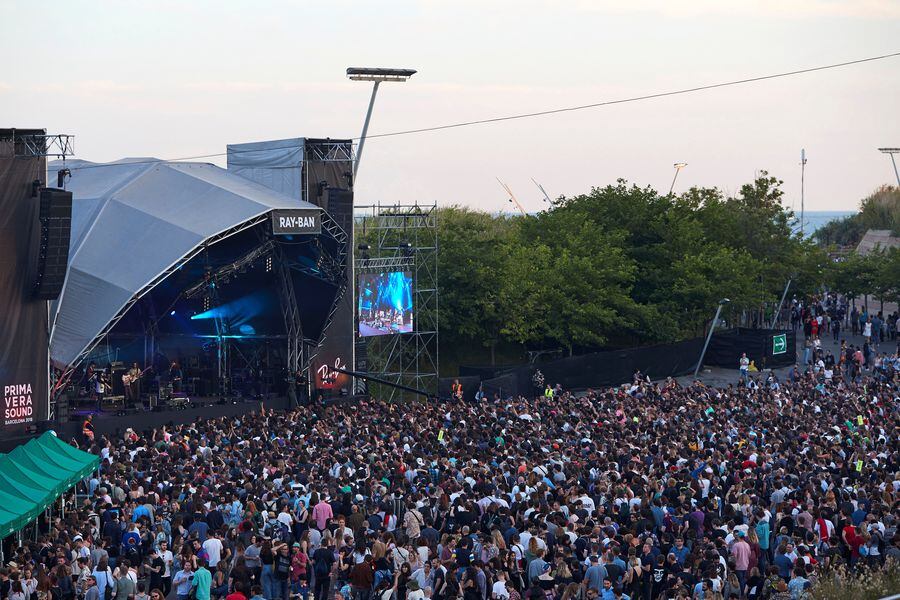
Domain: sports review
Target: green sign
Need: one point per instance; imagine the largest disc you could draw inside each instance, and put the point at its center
(779, 343)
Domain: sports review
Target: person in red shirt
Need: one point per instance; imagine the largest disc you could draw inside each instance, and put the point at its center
(239, 593)
(299, 578)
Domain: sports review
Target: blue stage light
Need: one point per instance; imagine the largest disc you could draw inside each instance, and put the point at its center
(172, 313)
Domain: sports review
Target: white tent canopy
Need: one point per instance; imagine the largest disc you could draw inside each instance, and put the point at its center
(133, 221)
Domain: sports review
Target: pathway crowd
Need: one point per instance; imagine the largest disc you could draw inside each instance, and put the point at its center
(644, 491)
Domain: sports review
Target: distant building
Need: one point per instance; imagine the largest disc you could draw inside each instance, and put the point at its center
(877, 239)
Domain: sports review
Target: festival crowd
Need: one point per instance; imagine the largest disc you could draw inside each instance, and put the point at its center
(753, 490)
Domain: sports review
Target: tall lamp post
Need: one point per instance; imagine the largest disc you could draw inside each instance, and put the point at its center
(892, 152)
(678, 167)
(712, 327)
(376, 76)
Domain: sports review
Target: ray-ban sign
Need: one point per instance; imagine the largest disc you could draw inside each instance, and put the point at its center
(296, 221)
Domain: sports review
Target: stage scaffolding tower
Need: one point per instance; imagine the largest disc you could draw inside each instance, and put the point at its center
(402, 237)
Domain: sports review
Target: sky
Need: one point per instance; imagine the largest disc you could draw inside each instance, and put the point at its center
(175, 78)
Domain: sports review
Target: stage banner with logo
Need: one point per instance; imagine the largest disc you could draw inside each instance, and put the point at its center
(297, 221)
(337, 350)
(24, 333)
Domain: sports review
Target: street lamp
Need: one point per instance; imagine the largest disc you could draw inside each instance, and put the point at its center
(376, 76)
(892, 152)
(712, 327)
(678, 167)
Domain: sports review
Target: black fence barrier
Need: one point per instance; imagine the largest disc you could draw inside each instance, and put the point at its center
(486, 372)
(614, 367)
(767, 348)
(598, 369)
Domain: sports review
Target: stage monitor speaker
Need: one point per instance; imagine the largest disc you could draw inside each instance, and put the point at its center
(53, 253)
(62, 408)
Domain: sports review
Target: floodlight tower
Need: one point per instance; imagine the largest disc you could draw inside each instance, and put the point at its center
(376, 76)
(892, 152)
(678, 167)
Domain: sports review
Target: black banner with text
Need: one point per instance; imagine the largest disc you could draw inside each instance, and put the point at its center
(24, 334)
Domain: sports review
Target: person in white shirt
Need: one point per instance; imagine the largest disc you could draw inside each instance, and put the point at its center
(285, 518)
(499, 591)
(213, 547)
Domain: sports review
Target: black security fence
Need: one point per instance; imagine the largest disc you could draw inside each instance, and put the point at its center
(768, 348)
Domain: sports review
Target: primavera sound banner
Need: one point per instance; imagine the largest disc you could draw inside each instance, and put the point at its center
(24, 334)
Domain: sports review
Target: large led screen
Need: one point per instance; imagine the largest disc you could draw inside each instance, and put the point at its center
(385, 303)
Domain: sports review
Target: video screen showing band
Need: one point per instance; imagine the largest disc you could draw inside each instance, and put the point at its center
(385, 303)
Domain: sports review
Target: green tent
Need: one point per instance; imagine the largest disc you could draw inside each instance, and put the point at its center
(34, 475)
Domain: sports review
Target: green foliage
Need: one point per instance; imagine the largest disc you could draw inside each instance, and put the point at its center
(619, 265)
(879, 210)
(472, 261)
(841, 232)
(867, 584)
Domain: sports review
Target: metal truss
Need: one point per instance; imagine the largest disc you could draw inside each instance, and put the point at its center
(227, 270)
(403, 237)
(377, 265)
(328, 150)
(41, 144)
(292, 323)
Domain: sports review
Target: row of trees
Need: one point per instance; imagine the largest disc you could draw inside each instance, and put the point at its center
(876, 274)
(620, 265)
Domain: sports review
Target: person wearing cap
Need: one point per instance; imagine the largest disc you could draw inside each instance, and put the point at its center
(414, 591)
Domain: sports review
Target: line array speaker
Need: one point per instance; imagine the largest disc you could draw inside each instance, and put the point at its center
(53, 253)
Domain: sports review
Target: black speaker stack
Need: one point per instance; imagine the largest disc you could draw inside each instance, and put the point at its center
(53, 254)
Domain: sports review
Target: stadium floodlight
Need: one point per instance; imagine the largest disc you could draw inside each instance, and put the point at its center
(892, 152)
(678, 167)
(375, 75)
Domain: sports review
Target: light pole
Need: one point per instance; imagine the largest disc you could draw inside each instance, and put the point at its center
(678, 167)
(802, 191)
(376, 76)
(712, 327)
(892, 152)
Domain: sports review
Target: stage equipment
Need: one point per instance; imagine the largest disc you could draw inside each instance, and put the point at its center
(53, 252)
(403, 238)
(24, 365)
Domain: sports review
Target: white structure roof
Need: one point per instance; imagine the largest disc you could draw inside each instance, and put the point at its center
(132, 221)
(876, 239)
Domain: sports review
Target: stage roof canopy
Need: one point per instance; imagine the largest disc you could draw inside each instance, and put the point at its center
(133, 222)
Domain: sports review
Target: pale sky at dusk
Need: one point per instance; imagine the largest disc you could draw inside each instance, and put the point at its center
(180, 78)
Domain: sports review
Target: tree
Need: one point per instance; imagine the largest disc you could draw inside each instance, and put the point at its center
(569, 289)
(473, 260)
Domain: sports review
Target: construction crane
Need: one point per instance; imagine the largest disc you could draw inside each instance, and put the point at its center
(512, 197)
(543, 191)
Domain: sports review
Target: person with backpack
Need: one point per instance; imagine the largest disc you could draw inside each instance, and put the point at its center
(322, 561)
(103, 577)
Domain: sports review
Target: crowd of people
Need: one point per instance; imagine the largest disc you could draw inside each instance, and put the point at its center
(645, 491)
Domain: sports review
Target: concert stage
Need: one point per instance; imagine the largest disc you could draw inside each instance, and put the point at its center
(186, 277)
